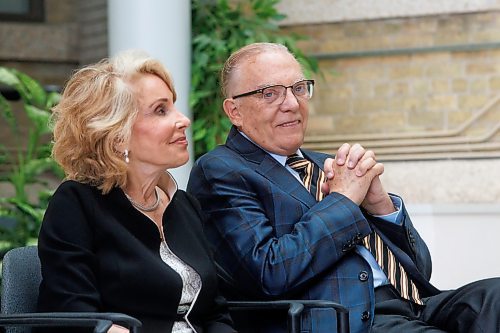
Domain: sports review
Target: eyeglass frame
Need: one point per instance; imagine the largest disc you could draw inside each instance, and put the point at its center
(261, 90)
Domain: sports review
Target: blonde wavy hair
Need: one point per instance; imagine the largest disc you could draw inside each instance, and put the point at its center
(96, 114)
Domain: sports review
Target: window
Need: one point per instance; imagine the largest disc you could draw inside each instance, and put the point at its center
(21, 10)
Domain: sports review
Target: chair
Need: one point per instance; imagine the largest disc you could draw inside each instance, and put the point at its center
(294, 307)
(21, 277)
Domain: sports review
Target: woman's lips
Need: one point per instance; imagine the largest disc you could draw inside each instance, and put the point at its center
(182, 140)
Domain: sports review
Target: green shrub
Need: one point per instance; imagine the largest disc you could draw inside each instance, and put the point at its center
(27, 161)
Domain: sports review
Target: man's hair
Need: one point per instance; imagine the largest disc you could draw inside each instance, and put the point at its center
(244, 53)
(96, 113)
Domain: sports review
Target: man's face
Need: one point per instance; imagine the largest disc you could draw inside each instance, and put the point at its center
(277, 127)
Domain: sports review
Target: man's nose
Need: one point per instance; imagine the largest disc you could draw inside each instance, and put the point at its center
(289, 99)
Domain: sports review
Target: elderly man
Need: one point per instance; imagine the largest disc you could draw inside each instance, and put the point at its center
(284, 228)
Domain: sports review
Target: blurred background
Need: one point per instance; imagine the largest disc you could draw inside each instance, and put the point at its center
(418, 82)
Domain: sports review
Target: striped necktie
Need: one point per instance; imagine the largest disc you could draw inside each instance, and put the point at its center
(312, 177)
(395, 272)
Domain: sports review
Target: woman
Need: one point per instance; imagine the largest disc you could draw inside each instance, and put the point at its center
(118, 236)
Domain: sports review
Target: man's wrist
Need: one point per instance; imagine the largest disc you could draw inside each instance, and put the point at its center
(384, 207)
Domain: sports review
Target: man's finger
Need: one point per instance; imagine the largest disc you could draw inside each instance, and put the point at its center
(328, 168)
(356, 153)
(377, 169)
(342, 153)
(365, 165)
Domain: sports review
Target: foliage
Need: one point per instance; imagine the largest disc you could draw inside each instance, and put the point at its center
(27, 161)
(220, 27)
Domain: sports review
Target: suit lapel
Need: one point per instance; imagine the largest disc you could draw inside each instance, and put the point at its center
(407, 263)
(265, 165)
(281, 177)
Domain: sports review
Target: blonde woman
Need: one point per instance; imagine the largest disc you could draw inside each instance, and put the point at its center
(118, 235)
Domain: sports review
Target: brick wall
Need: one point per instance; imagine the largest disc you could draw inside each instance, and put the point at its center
(73, 33)
(93, 22)
(399, 77)
(402, 75)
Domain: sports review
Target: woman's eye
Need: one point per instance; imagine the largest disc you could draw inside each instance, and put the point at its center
(161, 110)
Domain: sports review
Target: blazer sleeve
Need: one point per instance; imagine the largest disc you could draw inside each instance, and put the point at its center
(406, 238)
(240, 203)
(64, 247)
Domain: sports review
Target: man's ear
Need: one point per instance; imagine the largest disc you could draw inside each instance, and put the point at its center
(232, 111)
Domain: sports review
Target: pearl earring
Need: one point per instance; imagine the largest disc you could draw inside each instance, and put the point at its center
(125, 153)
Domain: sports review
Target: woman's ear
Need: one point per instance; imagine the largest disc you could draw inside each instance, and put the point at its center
(120, 146)
(232, 111)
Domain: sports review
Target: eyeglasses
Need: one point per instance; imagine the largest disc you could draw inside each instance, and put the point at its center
(276, 94)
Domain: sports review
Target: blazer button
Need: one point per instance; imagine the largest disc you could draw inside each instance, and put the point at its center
(363, 276)
(365, 316)
(347, 246)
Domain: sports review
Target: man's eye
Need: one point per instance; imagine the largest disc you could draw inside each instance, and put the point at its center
(269, 93)
(300, 88)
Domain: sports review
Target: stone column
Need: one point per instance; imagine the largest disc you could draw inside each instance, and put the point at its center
(163, 29)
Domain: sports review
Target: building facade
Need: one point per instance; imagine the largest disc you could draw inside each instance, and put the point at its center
(418, 82)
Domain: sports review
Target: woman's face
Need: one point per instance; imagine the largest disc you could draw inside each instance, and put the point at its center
(158, 139)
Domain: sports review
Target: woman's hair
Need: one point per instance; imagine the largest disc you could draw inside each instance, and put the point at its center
(96, 114)
(245, 53)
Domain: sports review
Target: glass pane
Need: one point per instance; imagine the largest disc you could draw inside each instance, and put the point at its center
(14, 6)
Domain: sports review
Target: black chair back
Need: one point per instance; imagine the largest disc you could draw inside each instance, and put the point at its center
(21, 278)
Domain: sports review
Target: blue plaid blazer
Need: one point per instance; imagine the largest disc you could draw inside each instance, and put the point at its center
(276, 241)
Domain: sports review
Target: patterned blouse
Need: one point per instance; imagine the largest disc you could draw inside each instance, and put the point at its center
(191, 285)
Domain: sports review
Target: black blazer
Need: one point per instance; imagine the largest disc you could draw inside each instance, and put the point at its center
(98, 253)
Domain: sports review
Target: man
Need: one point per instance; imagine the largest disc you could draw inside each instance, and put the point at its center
(279, 236)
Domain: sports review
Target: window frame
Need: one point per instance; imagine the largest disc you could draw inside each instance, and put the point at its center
(35, 13)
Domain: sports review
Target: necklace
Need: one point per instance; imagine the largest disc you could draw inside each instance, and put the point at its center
(143, 207)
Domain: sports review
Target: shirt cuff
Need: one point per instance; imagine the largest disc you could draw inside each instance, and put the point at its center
(392, 217)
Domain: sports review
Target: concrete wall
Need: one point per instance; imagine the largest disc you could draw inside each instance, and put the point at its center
(455, 205)
(319, 11)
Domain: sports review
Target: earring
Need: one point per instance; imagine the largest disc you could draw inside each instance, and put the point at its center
(125, 153)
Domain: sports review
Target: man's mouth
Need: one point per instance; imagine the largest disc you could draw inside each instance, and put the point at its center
(289, 123)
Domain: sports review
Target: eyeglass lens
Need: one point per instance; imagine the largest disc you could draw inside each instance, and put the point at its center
(302, 89)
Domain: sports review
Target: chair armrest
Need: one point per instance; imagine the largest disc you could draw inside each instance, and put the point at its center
(101, 321)
(295, 309)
